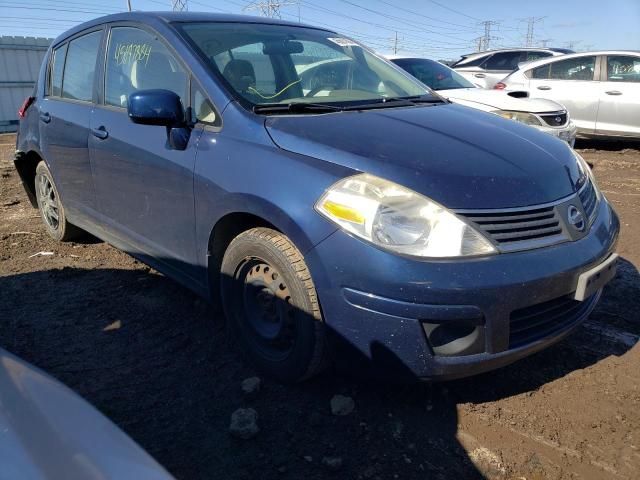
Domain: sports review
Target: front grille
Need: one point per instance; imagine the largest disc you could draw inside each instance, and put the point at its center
(555, 119)
(532, 323)
(519, 229)
(589, 200)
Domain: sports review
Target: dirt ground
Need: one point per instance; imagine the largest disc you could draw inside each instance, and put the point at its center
(153, 357)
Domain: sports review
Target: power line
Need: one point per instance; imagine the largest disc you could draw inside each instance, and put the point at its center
(413, 12)
(452, 10)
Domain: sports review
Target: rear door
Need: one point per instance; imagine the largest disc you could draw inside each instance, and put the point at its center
(574, 83)
(143, 186)
(619, 112)
(64, 116)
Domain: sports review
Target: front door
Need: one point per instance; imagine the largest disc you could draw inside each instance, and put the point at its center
(619, 112)
(144, 187)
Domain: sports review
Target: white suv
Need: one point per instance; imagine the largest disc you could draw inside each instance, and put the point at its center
(485, 69)
(601, 90)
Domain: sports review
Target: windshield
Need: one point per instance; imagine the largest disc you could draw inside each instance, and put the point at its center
(278, 64)
(433, 74)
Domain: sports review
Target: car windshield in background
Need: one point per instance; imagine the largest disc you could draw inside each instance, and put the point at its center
(433, 74)
(267, 64)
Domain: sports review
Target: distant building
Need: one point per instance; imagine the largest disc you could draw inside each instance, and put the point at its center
(20, 60)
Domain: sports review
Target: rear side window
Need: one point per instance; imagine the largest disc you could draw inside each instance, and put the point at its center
(463, 63)
(57, 67)
(581, 68)
(531, 56)
(138, 60)
(506, 61)
(623, 68)
(80, 67)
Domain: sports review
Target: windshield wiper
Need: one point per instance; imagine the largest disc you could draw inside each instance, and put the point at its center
(388, 102)
(296, 107)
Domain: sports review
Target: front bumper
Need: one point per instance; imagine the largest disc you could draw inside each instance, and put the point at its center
(566, 133)
(381, 308)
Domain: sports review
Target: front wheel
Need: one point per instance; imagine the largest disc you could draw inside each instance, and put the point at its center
(271, 305)
(51, 209)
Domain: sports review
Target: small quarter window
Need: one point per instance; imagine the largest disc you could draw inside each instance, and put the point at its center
(57, 67)
(202, 109)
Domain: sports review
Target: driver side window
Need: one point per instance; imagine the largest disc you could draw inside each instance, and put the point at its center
(138, 60)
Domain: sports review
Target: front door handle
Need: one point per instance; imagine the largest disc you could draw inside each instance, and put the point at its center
(614, 92)
(480, 75)
(544, 87)
(100, 132)
(45, 117)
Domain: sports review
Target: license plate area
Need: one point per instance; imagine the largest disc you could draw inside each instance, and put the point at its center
(594, 279)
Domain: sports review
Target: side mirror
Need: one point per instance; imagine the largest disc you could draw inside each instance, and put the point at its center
(156, 107)
(164, 108)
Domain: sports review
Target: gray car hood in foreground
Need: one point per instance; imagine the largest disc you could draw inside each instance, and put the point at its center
(49, 432)
(460, 157)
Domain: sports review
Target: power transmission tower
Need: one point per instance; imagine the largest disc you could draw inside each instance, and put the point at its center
(271, 8)
(486, 39)
(531, 23)
(544, 42)
(129, 4)
(180, 5)
(395, 43)
(479, 42)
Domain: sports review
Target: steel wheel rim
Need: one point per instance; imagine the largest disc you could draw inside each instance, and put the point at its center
(268, 311)
(49, 204)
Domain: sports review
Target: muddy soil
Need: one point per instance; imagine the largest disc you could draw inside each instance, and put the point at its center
(154, 358)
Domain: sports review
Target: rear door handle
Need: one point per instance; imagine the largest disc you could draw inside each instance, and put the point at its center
(45, 117)
(479, 75)
(544, 87)
(100, 132)
(614, 92)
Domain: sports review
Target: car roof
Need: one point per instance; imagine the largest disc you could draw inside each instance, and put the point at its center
(170, 16)
(544, 61)
(473, 55)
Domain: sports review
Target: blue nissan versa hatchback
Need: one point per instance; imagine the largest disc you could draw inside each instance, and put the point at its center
(335, 206)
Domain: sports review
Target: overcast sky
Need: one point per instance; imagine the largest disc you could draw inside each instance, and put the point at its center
(440, 29)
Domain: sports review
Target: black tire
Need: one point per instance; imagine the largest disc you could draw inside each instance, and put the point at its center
(271, 305)
(50, 207)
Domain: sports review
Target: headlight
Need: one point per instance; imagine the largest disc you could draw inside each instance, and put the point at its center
(585, 169)
(522, 117)
(398, 219)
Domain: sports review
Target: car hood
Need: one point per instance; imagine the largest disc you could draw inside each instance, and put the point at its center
(499, 99)
(460, 157)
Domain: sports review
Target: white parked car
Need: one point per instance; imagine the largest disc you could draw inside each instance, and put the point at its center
(601, 90)
(489, 67)
(545, 115)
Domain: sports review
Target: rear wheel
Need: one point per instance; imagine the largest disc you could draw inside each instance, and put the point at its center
(51, 209)
(271, 305)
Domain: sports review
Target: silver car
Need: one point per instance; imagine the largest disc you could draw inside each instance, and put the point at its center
(48, 432)
(487, 68)
(601, 90)
(542, 114)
